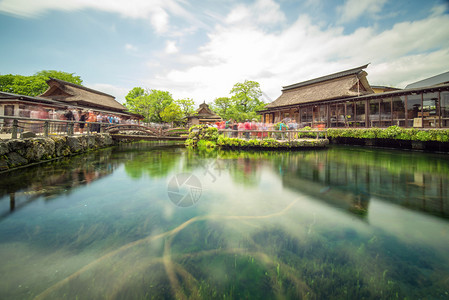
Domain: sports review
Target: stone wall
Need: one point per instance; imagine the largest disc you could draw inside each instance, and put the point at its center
(20, 152)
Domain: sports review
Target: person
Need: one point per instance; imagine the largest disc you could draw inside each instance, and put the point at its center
(235, 127)
(83, 118)
(247, 127)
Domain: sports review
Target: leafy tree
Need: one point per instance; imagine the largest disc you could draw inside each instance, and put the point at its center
(223, 106)
(187, 106)
(172, 113)
(149, 103)
(132, 95)
(36, 84)
(246, 95)
(69, 77)
(159, 101)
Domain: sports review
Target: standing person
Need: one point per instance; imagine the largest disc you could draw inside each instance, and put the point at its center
(83, 118)
(247, 127)
(235, 127)
(68, 115)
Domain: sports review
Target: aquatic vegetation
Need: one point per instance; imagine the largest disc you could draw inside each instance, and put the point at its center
(304, 225)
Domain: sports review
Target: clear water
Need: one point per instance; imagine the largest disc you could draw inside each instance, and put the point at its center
(151, 221)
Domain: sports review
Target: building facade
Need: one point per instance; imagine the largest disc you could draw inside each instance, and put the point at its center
(59, 97)
(346, 99)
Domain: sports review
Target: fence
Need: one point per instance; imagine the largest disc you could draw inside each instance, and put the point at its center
(274, 134)
(13, 126)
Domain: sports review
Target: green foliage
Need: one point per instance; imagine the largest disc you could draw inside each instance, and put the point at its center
(243, 104)
(393, 132)
(201, 133)
(132, 95)
(149, 104)
(224, 107)
(187, 106)
(172, 113)
(268, 143)
(34, 85)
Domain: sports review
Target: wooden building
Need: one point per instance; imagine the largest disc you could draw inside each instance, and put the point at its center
(60, 96)
(345, 99)
(203, 115)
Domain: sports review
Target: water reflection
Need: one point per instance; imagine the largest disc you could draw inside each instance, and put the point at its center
(49, 180)
(268, 225)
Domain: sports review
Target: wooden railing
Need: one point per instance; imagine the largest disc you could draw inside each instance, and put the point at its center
(44, 127)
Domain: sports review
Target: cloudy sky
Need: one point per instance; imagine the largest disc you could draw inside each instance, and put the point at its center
(199, 49)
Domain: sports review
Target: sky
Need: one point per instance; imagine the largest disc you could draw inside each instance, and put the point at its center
(199, 49)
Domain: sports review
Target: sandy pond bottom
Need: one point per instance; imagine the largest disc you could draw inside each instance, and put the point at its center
(150, 220)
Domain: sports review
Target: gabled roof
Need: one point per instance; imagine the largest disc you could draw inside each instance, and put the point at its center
(205, 112)
(76, 94)
(343, 84)
(434, 80)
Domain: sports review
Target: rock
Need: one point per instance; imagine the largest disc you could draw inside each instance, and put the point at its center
(3, 148)
(18, 146)
(61, 146)
(3, 164)
(39, 149)
(15, 159)
(27, 134)
(74, 143)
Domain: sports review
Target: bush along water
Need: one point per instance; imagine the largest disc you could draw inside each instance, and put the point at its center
(232, 143)
(393, 136)
(202, 137)
(392, 132)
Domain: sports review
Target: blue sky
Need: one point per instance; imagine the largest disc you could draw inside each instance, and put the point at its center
(200, 49)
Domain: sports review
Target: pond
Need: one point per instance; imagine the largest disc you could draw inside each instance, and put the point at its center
(154, 220)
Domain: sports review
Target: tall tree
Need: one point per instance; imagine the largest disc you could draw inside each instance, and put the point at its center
(187, 106)
(159, 101)
(132, 95)
(223, 106)
(36, 84)
(172, 113)
(245, 98)
(69, 77)
(149, 103)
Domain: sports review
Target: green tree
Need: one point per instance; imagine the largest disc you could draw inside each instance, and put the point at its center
(187, 106)
(245, 98)
(69, 77)
(224, 107)
(172, 113)
(148, 103)
(132, 95)
(36, 84)
(159, 101)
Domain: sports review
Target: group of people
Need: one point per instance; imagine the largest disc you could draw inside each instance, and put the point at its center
(89, 116)
(286, 124)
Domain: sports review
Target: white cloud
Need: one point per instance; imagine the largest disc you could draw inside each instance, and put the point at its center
(354, 9)
(130, 47)
(303, 51)
(171, 48)
(262, 12)
(157, 11)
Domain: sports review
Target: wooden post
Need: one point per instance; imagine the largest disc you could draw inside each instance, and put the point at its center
(46, 128)
(15, 126)
(70, 129)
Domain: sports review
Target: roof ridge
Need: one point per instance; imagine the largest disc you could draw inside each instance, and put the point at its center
(79, 86)
(326, 77)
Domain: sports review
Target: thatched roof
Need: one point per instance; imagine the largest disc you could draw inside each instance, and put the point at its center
(349, 83)
(204, 112)
(79, 95)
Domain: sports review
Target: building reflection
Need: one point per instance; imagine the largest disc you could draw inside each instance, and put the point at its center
(349, 179)
(63, 176)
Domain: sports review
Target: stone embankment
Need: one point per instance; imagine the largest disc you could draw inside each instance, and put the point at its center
(20, 152)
